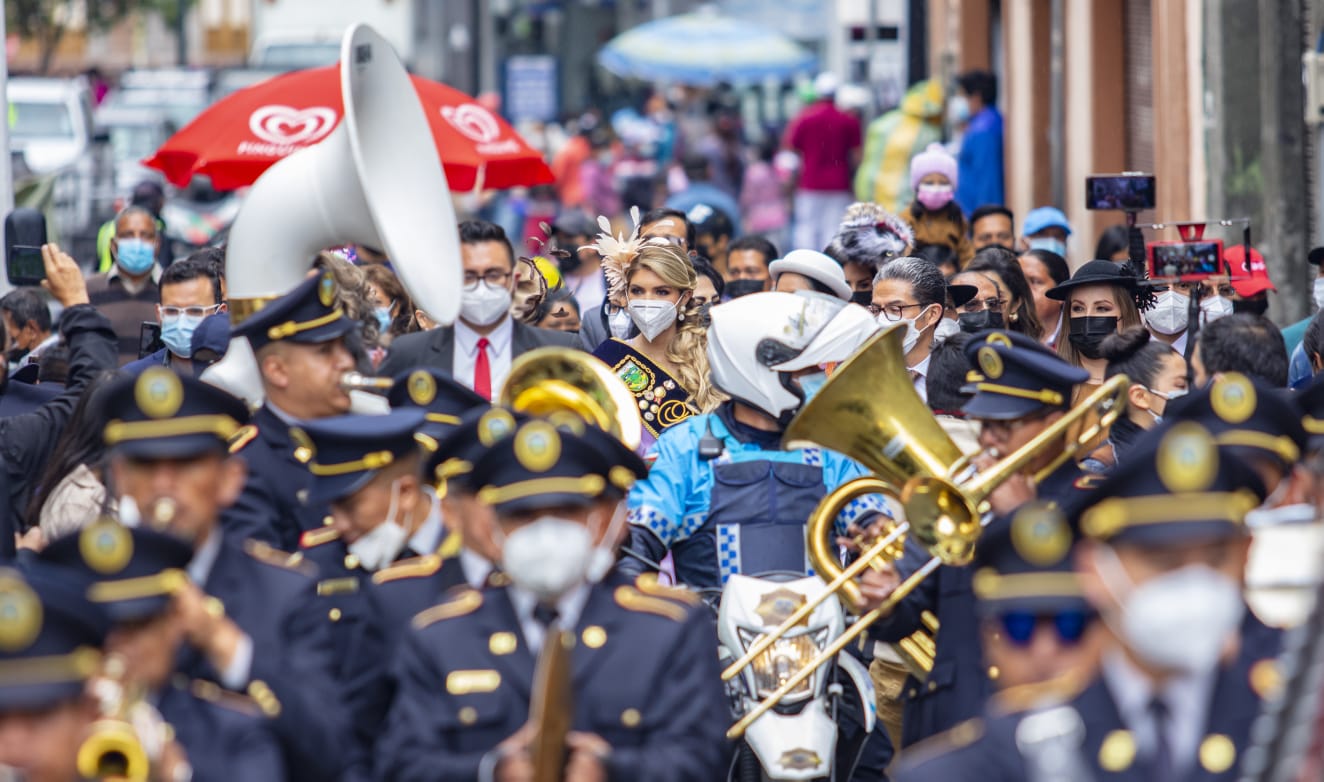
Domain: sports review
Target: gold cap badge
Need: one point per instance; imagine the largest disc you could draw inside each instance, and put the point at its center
(158, 392)
(422, 388)
(1187, 458)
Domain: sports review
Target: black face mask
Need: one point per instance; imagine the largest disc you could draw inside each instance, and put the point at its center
(737, 288)
(971, 322)
(1256, 306)
(862, 298)
(1086, 333)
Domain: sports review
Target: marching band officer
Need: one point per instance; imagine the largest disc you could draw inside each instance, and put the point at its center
(648, 703)
(299, 342)
(49, 645)
(1020, 389)
(253, 621)
(133, 574)
(1164, 544)
(443, 400)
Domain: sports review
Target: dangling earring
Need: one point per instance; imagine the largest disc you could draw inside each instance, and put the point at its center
(680, 318)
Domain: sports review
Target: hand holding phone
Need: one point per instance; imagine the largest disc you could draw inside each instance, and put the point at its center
(64, 279)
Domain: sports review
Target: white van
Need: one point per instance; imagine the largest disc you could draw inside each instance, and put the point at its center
(50, 129)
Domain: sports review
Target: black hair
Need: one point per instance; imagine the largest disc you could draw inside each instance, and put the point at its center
(1134, 353)
(553, 298)
(696, 167)
(992, 209)
(937, 254)
(1113, 239)
(704, 268)
(479, 231)
(981, 83)
(24, 305)
(1056, 265)
(192, 268)
(758, 244)
(661, 213)
(80, 443)
(926, 282)
(1313, 340)
(1245, 343)
(715, 223)
(1003, 263)
(53, 364)
(947, 371)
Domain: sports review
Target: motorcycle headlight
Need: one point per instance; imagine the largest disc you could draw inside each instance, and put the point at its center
(782, 660)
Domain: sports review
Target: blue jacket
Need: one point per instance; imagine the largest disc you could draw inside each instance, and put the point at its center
(271, 507)
(225, 736)
(644, 677)
(979, 164)
(671, 506)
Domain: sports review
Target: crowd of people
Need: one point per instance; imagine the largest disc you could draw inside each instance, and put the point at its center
(333, 584)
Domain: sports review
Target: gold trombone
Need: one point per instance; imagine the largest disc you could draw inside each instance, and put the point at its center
(357, 381)
(942, 512)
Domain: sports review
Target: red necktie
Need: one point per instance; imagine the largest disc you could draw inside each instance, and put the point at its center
(483, 371)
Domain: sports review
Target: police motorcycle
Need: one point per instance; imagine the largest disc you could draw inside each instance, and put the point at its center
(868, 410)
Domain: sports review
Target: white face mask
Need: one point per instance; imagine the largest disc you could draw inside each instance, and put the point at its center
(1169, 313)
(1215, 307)
(652, 316)
(380, 546)
(946, 328)
(912, 333)
(1176, 393)
(619, 323)
(1179, 621)
(547, 557)
(603, 555)
(485, 304)
(1317, 293)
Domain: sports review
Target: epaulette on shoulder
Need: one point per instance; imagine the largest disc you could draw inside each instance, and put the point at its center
(242, 437)
(213, 693)
(459, 604)
(960, 735)
(414, 567)
(267, 555)
(317, 537)
(1089, 481)
(632, 599)
(648, 584)
(1036, 695)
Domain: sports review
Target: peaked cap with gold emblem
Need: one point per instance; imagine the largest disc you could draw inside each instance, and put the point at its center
(345, 451)
(443, 401)
(133, 572)
(50, 634)
(1176, 485)
(161, 414)
(1023, 563)
(1013, 376)
(1250, 417)
(542, 464)
(309, 314)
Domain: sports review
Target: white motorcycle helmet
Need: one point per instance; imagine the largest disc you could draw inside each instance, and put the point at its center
(756, 343)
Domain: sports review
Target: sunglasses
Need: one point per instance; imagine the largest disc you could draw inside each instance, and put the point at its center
(1019, 626)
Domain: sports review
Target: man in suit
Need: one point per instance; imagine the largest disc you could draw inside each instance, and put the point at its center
(1164, 544)
(647, 694)
(478, 349)
(299, 342)
(134, 575)
(255, 626)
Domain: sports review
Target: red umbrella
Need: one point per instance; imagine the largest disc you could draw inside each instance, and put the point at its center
(241, 136)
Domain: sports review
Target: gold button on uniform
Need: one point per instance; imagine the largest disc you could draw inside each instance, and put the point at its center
(594, 637)
(468, 715)
(1117, 752)
(630, 718)
(351, 561)
(327, 521)
(1217, 753)
(501, 643)
(334, 614)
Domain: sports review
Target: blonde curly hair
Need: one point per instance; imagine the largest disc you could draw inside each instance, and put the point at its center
(688, 351)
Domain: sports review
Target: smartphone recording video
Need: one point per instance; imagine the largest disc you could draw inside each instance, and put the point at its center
(25, 233)
(1125, 192)
(25, 265)
(1185, 261)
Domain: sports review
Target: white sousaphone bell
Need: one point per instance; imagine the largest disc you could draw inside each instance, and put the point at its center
(375, 180)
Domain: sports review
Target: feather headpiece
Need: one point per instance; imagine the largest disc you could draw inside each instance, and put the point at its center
(871, 235)
(617, 252)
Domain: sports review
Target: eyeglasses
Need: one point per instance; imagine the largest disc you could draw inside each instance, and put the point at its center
(493, 277)
(192, 312)
(893, 312)
(1019, 627)
(978, 305)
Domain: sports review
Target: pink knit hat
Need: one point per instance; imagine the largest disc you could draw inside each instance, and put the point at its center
(933, 160)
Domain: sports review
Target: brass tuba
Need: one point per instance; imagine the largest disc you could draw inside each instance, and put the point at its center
(113, 750)
(889, 429)
(553, 379)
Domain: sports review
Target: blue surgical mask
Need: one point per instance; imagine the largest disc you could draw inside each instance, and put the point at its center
(136, 256)
(383, 318)
(813, 383)
(177, 334)
(1050, 244)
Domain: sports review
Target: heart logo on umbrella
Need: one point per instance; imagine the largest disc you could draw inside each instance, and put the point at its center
(285, 125)
(473, 121)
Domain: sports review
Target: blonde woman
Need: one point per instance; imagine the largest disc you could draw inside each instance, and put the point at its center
(666, 365)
